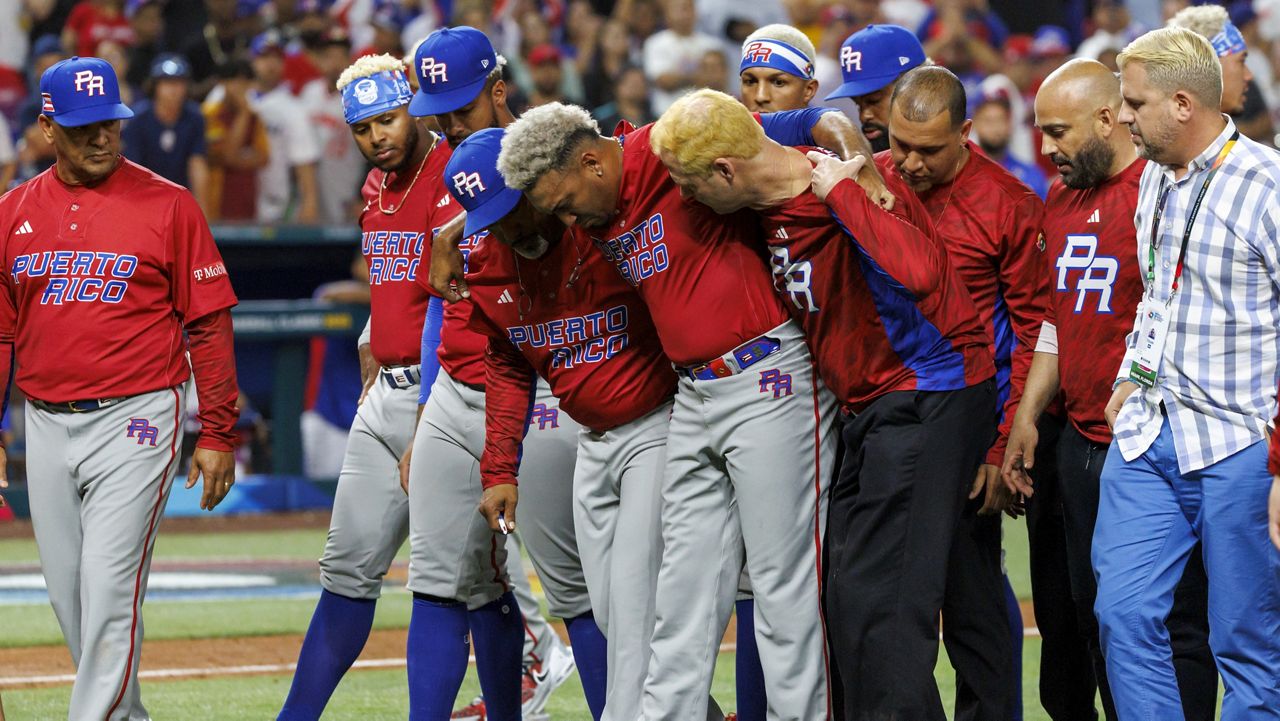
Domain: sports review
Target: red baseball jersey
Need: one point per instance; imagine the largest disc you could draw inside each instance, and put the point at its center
(99, 281)
(990, 223)
(877, 297)
(1095, 283)
(702, 275)
(569, 318)
(461, 350)
(394, 229)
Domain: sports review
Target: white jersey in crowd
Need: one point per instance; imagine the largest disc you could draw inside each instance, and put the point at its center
(293, 142)
(342, 167)
(666, 52)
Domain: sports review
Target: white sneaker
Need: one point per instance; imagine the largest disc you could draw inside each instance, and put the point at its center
(547, 676)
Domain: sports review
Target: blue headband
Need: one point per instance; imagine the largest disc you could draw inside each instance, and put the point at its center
(1229, 41)
(373, 95)
(777, 55)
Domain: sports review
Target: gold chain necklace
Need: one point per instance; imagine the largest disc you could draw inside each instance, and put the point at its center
(393, 209)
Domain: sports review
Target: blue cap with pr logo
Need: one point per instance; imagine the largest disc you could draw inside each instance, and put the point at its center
(81, 91)
(452, 65)
(875, 56)
(474, 181)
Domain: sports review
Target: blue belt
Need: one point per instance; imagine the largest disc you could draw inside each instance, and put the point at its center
(735, 361)
(401, 376)
(76, 406)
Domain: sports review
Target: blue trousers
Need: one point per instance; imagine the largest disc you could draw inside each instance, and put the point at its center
(1149, 518)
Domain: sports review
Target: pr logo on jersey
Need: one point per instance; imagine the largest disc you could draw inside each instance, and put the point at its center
(850, 59)
(793, 277)
(776, 382)
(435, 72)
(1098, 271)
(468, 183)
(142, 429)
(90, 81)
(545, 416)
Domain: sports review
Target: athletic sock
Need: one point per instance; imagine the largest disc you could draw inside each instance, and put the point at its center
(338, 631)
(590, 655)
(437, 652)
(749, 674)
(498, 631)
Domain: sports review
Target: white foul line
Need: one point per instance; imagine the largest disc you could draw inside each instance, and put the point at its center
(266, 668)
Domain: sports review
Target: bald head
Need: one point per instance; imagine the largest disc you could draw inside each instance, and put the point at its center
(927, 92)
(1076, 109)
(1082, 82)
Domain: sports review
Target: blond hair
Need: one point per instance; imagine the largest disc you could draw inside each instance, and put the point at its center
(1204, 20)
(1176, 58)
(367, 66)
(704, 126)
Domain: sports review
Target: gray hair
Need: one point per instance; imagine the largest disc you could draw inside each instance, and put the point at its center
(542, 140)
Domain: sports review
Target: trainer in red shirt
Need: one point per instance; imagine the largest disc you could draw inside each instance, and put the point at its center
(987, 219)
(892, 329)
(1094, 285)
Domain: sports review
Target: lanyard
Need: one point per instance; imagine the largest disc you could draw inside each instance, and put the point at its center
(1191, 219)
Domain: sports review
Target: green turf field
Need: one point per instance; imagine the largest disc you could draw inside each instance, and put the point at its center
(375, 694)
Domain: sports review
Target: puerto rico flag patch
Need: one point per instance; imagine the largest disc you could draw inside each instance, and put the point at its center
(46, 104)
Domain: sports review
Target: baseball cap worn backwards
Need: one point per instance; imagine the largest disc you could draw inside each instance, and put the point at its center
(875, 56)
(452, 65)
(374, 95)
(81, 91)
(473, 180)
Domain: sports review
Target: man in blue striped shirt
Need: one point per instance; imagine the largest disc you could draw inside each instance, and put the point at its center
(1195, 393)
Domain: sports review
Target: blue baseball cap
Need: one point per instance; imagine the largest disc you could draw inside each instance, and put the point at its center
(474, 181)
(374, 94)
(171, 65)
(875, 56)
(266, 42)
(81, 91)
(452, 65)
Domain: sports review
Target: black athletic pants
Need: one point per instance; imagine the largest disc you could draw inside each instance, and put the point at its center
(910, 458)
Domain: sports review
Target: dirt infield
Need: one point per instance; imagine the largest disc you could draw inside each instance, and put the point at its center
(209, 524)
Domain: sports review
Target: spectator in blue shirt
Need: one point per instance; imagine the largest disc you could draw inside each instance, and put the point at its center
(993, 126)
(166, 134)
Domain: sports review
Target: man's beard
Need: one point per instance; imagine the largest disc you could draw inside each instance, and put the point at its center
(1090, 166)
(880, 143)
(410, 149)
(992, 149)
(531, 247)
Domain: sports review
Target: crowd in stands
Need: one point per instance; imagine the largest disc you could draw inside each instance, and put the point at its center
(235, 99)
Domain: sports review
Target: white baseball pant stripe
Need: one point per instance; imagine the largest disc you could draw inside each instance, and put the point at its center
(98, 483)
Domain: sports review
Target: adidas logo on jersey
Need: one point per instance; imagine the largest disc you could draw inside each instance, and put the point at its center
(782, 234)
(24, 228)
(1095, 218)
(444, 201)
(505, 297)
